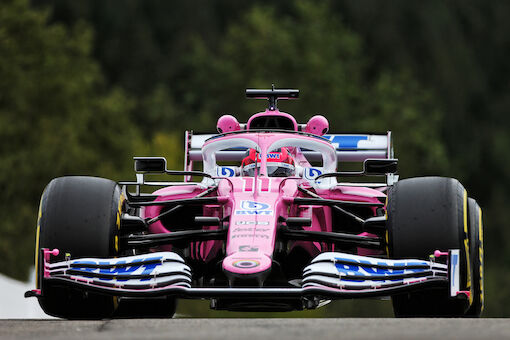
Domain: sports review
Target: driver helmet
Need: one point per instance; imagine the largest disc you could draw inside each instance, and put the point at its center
(279, 163)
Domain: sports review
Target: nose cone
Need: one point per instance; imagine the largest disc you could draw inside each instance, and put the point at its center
(247, 264)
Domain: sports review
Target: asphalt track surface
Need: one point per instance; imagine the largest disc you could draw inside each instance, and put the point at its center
(264, 329)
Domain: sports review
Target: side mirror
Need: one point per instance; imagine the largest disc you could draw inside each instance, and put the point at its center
(380, 166)
(150, 164)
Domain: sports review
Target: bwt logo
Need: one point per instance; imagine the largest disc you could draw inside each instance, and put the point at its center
(254, 208)
(271, 155)
(225, 172)
(146, 266)
(251, 205)
(366, 268)
(311, 173)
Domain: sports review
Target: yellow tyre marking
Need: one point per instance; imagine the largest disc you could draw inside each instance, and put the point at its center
(387, 243)
(466, 246)
(480, 237)
(116, 240)
(117, 223)
(119, 215)
(115, 303)
(119, 210)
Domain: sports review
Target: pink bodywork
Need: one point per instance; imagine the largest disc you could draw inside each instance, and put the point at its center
(273, 113)
(257, 205)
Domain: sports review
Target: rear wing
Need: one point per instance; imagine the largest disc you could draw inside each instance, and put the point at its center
(359, 147)
(349, 148)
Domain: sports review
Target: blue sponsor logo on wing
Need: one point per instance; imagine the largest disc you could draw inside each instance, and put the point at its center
(366, 268)
(345, 142)
(120, 267)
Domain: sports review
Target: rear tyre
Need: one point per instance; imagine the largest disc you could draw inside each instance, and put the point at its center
(426, 214)
(476, 254)
(79, 216)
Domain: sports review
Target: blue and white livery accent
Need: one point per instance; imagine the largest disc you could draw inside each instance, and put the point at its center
(358, 142)
(254, 208)
(347, 271)
(454, 272)
(226, 171)
(133, 272)
(311, 173)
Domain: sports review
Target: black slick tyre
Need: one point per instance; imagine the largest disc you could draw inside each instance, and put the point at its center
(427, 214)
(80, 216)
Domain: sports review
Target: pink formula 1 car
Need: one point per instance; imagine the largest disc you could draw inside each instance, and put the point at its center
(268, 224)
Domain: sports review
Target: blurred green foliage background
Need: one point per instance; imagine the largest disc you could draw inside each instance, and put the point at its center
(87, 84)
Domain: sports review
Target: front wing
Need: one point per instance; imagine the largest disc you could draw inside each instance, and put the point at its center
(330, 275)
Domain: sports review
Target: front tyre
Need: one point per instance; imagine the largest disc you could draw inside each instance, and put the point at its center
(426, 214)
(80, 216)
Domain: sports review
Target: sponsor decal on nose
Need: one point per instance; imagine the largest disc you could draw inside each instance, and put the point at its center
(252, 223)
(246, 263)
(254, 208)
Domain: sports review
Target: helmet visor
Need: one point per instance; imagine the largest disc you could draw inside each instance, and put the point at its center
(249, 170)
(274, 169)
(277, 169)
